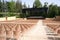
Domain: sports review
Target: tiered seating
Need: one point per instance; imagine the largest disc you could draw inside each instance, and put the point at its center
(55, 26)
(15, 29)
(2, 32)
(52, 29)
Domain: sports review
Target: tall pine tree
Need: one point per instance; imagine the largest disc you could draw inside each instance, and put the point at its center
(18, 6)
(0, 5)
(11, 6)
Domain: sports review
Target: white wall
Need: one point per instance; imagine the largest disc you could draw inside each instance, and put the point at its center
(11, 18)
(8, 18)
(2, 19)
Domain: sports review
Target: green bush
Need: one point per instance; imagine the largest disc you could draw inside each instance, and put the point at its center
(10, 14)
(58, 11)
(22, 15)
(1, 15)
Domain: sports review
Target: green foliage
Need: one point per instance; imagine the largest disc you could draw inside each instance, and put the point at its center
(0, 5)
(24, 6)
(1, 15)
(37, 4)
(45, 4)
(53, 11)
(10, 14)
(22, 15)
(18, 6)
(11, 6)
(58, 11)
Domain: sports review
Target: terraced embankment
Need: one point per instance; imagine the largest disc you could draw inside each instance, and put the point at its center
(53, 29)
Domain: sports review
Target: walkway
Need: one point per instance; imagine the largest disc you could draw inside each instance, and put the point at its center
(36, 33)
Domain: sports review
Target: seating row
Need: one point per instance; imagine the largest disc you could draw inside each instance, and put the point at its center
(15, 30)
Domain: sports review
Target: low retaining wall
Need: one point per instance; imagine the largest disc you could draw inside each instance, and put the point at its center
(49, 18)
(11, 18)
(57, 18)
(2, 19)
(8, 18)
(54, 19)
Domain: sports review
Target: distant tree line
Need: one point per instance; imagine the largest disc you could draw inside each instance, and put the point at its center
(53, 10)
(11, 7)
(16, 7)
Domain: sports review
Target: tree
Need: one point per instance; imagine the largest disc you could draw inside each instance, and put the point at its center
(11, 6)
(0, 5)
(53, 10)
(24, 6)
(18, 6)
(37, 4)
(3, 6)
(28, 6)
(58, 11)
(45, 4)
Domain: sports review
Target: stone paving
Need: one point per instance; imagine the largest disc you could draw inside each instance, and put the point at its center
(36, 33)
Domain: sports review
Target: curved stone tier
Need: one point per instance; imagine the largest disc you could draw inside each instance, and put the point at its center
(54, 25)
(15, 29)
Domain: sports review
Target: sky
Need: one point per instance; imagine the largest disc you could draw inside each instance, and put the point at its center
(30, 2)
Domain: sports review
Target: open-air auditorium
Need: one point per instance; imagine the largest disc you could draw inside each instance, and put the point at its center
(29, 29)
(33, 28)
